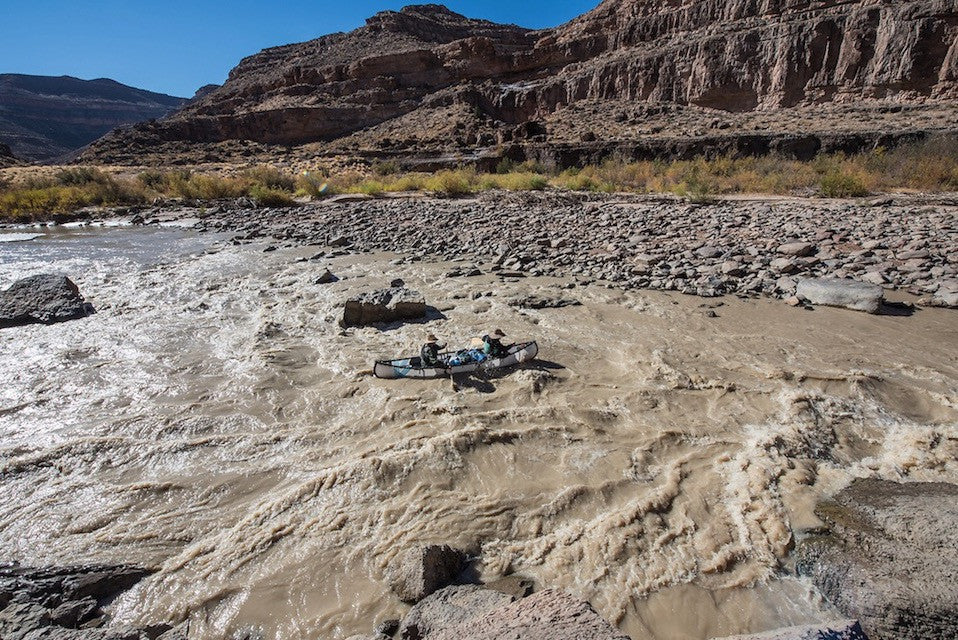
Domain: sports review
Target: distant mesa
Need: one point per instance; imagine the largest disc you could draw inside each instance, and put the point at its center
(45, 117)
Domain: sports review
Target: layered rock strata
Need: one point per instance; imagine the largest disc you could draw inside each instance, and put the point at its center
(427, 78)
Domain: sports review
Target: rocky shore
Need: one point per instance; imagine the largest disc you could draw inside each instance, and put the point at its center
(746, 248)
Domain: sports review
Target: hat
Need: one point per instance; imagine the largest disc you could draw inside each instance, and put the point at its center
(431, 338)
(499, 333)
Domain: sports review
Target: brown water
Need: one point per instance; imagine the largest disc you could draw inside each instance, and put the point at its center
(213, 421)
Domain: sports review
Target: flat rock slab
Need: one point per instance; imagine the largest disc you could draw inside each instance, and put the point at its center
(848, 294)
(841, 630)
(890, 559)
(449, 607)
(384, 305)
(45, 298)
(547, 615)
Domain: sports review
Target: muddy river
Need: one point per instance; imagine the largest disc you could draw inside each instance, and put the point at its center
(214, 422)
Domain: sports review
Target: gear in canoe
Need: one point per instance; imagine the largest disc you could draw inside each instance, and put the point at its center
(455, 362)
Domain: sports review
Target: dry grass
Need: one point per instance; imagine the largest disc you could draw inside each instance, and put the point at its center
(931, 166)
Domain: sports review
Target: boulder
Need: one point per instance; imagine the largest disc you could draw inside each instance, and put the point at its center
(797, 249)
(45, 298)
(890, 558)
(784, 265)
(326, 278)
(842, 630)
(422, 570)
(449, 607)
(543, 302)
(547, 615)
(384, 305)
(849, 294)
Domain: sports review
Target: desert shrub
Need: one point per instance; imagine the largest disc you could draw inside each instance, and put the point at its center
(582, 180)
(515, 181)
(408, 182)
(312, 184)
(266, 197)
(506, 165)
(269, 177)
(80, 176)
(384, 168)
(839, 184)
(451, 182)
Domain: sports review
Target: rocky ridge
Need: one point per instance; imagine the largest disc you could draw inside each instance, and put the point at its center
(629, 77)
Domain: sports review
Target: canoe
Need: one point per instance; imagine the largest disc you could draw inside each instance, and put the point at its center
(412, 367)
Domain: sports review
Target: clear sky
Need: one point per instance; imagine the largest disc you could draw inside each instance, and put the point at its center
(177, 46)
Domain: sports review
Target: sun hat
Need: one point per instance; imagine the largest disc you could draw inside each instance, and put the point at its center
(431, 338)
(499, 333)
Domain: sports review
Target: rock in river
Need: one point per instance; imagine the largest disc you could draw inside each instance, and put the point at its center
(423, 570)
(384, 305)
(890, 559)
(832, 292)
(45, 298)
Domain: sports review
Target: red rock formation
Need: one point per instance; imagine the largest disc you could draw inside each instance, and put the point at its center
(426, 77)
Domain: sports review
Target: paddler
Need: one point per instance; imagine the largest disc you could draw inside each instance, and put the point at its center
(430, 351)
(492, 345)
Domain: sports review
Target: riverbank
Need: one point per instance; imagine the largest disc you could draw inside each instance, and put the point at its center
(747, 247)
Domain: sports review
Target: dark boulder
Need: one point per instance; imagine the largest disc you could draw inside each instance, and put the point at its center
(45, 298)
(384, 305)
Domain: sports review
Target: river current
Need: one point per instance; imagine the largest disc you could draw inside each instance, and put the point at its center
(212, 421)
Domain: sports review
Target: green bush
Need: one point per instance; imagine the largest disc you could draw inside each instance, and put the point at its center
(266, 197)
(384, 168)
(838, 184)
(454, 183)
(269, 177)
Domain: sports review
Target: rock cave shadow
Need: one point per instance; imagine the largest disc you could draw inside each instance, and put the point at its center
(897, 309)
(483, 382)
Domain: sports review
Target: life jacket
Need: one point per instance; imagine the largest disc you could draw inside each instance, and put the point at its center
(429, 353)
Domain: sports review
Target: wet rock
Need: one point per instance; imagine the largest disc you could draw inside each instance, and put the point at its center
(326, 278)
(422, 570)
(384, 305)
(515, 586)
(848, 294)
(890, 558)
(841, 630)
(547, 615)
(543, 302)
(46, 298)
(53, 602)
(387, 627)
(449, 607)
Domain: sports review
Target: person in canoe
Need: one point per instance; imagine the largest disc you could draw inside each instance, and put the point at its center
(492, 345)
(430, 352)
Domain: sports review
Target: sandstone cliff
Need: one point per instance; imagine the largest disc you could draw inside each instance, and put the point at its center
(645, 73)
(44, 117)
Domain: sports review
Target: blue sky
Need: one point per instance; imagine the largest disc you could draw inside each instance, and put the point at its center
(177, 46)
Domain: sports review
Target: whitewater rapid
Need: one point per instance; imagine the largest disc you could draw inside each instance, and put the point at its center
(212, 421)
